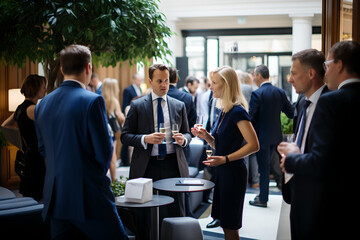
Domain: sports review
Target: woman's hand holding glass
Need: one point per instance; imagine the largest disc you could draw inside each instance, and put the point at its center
(214, 161)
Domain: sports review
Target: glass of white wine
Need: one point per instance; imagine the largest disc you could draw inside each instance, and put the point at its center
(209, 152)
(175, 129)
(162, 130)
(198, 124)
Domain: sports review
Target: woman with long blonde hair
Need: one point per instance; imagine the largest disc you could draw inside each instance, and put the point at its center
(110, 92)
(232, 138)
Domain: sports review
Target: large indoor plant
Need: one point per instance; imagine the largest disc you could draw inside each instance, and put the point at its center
(114, 30)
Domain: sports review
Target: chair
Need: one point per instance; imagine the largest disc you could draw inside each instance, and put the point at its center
(180, 228)
(21, 217)
(194, 154)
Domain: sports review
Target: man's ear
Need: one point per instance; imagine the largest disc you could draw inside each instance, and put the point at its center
(311, 73)
(61, 70)
(88, 68)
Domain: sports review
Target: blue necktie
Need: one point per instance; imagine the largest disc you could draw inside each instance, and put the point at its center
(302, 125)
(160, 119)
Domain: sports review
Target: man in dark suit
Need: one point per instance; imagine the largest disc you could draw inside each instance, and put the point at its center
(331, 159)
(185, 97)
(132, 91)
(151, 158)
(129, 94)
(266, 103)
(96, 83)
(307, 77)
(73, 137)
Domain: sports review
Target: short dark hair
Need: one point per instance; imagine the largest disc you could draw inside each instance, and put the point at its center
(32, 85)
(311, 58)
(348, 52)
(263, 71)
(161, 67)
(191, 80)
(74, 58)
(173, 74)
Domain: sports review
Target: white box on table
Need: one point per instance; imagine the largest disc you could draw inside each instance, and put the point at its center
(139, 190)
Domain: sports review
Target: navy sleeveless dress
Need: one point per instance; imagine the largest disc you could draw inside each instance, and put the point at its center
(230, 178)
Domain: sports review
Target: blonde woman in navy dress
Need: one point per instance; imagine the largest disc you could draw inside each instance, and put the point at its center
(233, 138)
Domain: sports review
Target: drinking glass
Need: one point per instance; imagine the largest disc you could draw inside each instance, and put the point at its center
(175, 130)
(162, 130)
(198, 124)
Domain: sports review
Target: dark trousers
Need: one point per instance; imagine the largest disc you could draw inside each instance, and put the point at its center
(263, 157)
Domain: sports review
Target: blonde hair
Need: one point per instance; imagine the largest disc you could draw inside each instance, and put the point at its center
(110, 92)
(231, 94)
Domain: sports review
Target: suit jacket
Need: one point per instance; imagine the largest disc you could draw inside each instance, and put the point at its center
(329, 166)
(296, 191)
(140, 121)
(186, 98)
(265, 106)
(128, 94)
(73, 137)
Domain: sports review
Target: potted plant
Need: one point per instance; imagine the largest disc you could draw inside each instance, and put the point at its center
(118, 186)
(287, 127)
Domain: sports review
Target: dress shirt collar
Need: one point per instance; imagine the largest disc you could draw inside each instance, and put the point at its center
(265, 82)
(347, 81)
(154, 96)
(316, 95)
(73, 80)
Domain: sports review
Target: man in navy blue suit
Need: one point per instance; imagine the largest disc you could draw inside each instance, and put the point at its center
(331, 161)
(132, 91)
(73, 137)
(307, 77)
(266, 104)
(129, 94)
(182, 96)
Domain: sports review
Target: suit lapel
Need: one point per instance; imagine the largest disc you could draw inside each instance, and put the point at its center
(171, 109)
(149, 112)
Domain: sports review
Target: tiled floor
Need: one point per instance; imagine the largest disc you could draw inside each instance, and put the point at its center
(258, 223)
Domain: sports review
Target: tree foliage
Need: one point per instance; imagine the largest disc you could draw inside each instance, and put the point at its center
(114, 30)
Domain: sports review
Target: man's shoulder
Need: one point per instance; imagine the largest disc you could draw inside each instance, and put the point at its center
(175, 101)
(140, 100)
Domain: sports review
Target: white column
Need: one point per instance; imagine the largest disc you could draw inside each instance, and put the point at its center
(301, 36)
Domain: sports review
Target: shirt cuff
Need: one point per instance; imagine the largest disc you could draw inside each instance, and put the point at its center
(185, 143)
(143, 143)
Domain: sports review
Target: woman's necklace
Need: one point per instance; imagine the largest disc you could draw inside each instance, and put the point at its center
(222, 119)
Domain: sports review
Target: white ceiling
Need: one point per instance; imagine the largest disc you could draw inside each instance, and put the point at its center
(178, 9)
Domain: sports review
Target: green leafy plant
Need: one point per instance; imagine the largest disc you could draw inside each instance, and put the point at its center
(114, 30)
(286, 124)
(118, 186)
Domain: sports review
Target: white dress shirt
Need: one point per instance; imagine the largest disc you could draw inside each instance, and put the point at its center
(168, 135)
(314, 98)
(137, 89)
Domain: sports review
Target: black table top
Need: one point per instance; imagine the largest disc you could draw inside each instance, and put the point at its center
(157, 200)
(169, 185)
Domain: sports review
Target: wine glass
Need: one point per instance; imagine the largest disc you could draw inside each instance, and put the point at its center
(198, 124)
(290, 138)
(175, 129)
(209, 152)
(162, 130)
